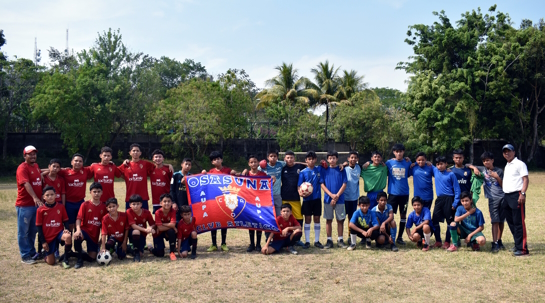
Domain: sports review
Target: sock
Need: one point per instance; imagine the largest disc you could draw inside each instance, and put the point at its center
(340, 238)
(401, 228)
(194, 246)
(393, 233)
(214, 234)
(171, 240)
(427, 238)
(258, 237)
(307, 232)
(223, 235)
(252, 233)
(437, 232)
(454, 235)
(78, 248)
(316, 232)
(329, 239)
(67, 249)
(354, 239)
(447, 236)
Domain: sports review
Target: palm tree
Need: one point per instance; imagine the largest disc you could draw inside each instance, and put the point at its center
(286, 87)
(349, 84)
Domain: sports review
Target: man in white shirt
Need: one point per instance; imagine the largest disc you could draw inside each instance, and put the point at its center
(515, 184)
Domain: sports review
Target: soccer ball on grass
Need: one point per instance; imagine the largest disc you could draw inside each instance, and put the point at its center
(104, 258)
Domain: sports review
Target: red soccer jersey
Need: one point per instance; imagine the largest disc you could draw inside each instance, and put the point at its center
(51, 219)
(115, 228)
(75, 183)
(282, 224)
(161, 218)
(160, 183)
(31, 174)
(58, 185)
(185, 229)
(105, 175)
(145, 216)
(224, 170)
(136, 178)
(91, 218)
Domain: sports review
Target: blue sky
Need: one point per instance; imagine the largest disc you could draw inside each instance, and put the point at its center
(366, 36)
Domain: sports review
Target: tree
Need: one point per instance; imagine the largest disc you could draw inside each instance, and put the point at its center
(349, 84)
(173, 72)
(389, 96)
(287, 88)
(325, 88)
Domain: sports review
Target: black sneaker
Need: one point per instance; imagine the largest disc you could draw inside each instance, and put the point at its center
(307, 245)
(37, 256)
(319, 245)
(495, 248)
(394, 248)
(79, 264)
(367, 244)
(520, 253)
(400, 241)
(328, 244)
(500, 245)
(341, 244)
(193, 256)
(351, 247)
(250, 248)
(136, 257)
(258, 248)
(28, 260)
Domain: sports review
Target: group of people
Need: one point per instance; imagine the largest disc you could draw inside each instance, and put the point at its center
(51, 203)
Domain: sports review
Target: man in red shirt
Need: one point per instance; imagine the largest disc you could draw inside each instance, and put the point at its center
(114, 230)
(290, 233)
(165, 220)
(88, 223)
(187, 234)
(57, 182)
(29, 189)
(160, 180)
(105, 173)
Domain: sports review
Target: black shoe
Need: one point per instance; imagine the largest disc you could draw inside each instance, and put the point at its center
(28, 260)
(37, 256)
(500, 245)
(520, 253)
(341, 244)
(495, 248)
(328, 244)
(61, 257)
(394, 248)
(79, 264)
(400, 241)
(319, 245)
(258, 248)
(136, 257)
(193, 256)
(307, 245)
(250, 248)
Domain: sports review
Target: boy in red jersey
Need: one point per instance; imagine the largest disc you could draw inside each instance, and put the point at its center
(160, 179)
(88, 223)
(165, 220)
(57, 182)
(290, 233)
(217, 161)
(137, 218)
(253, 163)
(52, 224)
(136, 174)
(114, 230)
(105, 173)
(187, 234)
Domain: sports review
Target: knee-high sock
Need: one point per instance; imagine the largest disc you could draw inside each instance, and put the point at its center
(354, 239)
(401, 228)
(67, 249)
(437, 231)
(214, 234)
(223, 235)
(171, 240)
(454, 234)
(258, 237)
(316, 232)
(194, 246)
(427, 238)
(251, 233)
(307, 232)
(393, 233)
(448, 235)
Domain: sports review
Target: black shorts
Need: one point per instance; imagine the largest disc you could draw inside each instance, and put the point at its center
(312, 208)
(443, 209)
(427, 203)
(374, 234)
(398, 201)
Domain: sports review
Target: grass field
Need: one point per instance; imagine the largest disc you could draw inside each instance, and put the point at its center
(333, 275)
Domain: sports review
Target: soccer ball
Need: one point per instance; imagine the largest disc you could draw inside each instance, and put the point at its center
(104, 258)
(306, 188)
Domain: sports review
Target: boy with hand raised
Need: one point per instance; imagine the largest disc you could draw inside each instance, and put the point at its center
(138, 220)
(274, 169)
(115, 230)
(187, 233)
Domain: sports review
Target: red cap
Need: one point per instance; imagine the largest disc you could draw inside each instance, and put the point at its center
(29, 149)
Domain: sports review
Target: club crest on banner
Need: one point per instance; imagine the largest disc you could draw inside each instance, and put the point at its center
(230, 203)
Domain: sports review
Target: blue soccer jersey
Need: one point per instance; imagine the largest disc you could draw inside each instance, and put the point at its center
(311, 176)
(352, 191)
(275, 171)
(333, 178)
(367, 220)
(463, 176)
(398, 174)
(471, 222)
(422, 181)
(415, 219)
(382, 216)
(446, 185)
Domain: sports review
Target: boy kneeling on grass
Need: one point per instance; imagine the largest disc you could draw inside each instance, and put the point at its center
(363, 224)
(290, 233)
(114, 230)
(385, 218)
(468, 224)
(187, 234)
(165, 220)
(421, 218)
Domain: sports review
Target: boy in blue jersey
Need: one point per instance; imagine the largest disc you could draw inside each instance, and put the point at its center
(384, 214)
(448, 198)
(312, 203)
(462, 173)
(274, 169)
(421, 218)
(352, 191)
(363, 224)
(333, 183)
(422, 174)
(398, 186)
(468, 224)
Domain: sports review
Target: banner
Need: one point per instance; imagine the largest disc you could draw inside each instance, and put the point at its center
(225, 201)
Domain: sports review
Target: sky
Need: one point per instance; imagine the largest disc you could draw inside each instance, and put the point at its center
(367, 36)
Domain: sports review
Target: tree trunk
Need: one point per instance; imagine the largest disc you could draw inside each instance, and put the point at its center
(471, 151)
(326, 119)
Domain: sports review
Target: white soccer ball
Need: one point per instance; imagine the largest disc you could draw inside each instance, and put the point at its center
(306, 188)
(104, 258)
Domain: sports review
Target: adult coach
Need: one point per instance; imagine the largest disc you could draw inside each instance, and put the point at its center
(29, 193)
(515, 184)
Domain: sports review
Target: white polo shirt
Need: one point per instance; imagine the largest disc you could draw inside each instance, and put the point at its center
(512, 176)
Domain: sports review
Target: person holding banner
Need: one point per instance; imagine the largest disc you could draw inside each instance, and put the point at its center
(254, 164)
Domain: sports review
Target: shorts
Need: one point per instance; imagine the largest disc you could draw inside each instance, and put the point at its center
(287, 242)
(277, 201)
(350, 207)
(144, 205)
(159, 241)
(185, 245)
(427, 203)
(443, 209)
(53, 245)
(398, 201)
(91, 245)
(340, 214)
(295, 209)
(119, 249)
(497, 214)
(464, 232)
(141, 243)
(374, 234)
(312, 208)
(72, 209)
(372, 195)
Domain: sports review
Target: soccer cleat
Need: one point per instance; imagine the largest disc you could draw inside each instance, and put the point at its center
(341, 244)
(437, 244)
(79, 264)
(292, 250)
(212, 248)
(136, 257)
(172, 256)
(65, 264)
(319, 245)
(500, 245)
(367, 244)
(426, 247)
(476, 247)
(400, 241)
(193, 256)
(150, 248)
(307, 245)
(351, 247)
(57, 255)
(37, 256)
(250, 248)
(419, 244)
(520, 253)
(258, 248)
(446, 245)
(394, 248)
(28, 260)
(224, 247)
(328, 244)
(452, 248)
(300, 243)
(495, 248)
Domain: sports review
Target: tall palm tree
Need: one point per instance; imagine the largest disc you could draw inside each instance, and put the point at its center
(325, 87)
(349, 84)
(286, 87)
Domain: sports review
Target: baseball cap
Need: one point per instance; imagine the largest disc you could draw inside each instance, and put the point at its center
(509, 147)
(29, 149)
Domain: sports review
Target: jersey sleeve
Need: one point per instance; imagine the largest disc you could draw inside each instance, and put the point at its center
(294, 221)
(523, 169)
(301, 179)
(39, 218)
(104, 228)
(63, 185)
(22, 175)
(343, 174)
(149, 218)
(117, 171)
(126, 220)
(88, 172)
(500, 173)
(459, 211)
(390, 209)
(410, 220)
(122, 168)
(172, 216)
(426, 215)
(81, 212)
(158, 218)
(64, 214)
(456, 187)
(283, 163)
(130, 219)
(480, 219)
(374, 218)
(354, 218)
(150, 167)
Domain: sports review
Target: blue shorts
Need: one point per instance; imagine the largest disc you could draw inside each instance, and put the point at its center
(91, 245)
(72, 209)
(372, 195)
(144, 205)
(279, 244)
(53, 245)
(186, 245)
(141, 244)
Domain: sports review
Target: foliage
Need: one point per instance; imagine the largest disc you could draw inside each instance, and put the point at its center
(286, 87)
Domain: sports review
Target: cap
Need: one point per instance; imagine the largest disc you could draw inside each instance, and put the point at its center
(509, 147)
(29, 149)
